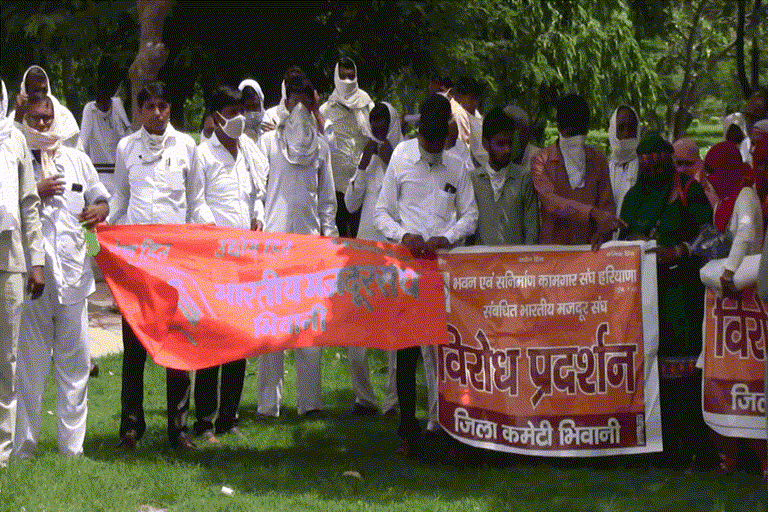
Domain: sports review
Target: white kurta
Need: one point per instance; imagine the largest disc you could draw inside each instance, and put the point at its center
(746, 226)
(55, 326)
(300, 199)
(361, 194)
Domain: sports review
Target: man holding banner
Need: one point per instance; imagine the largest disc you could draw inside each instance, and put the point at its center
(234, 171)
(156, 182)
(426, 203)
(300, 199)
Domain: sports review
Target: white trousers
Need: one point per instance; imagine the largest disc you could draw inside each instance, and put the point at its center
(361, 379)
(308, 388)
(52, 332)
(11, 299)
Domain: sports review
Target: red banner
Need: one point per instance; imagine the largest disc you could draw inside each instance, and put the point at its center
(199, 296)
(552, 351)
(735, 333)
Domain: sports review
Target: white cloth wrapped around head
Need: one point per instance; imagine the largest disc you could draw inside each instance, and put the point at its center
(64, 123)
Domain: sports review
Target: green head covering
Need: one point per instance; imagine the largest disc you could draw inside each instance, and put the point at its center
(653, 143)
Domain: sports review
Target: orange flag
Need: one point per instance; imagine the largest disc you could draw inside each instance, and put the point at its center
(200, 296)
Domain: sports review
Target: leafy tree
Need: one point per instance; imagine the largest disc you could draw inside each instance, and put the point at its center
(532, 52)
(67, 39)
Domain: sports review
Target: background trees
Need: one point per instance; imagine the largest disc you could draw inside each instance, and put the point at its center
(675, 60)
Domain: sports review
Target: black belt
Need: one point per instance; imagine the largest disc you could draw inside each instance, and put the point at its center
(105, 168)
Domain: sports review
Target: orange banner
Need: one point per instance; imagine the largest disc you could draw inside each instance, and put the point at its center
(199, 296)
(548, 348)
(735, 332)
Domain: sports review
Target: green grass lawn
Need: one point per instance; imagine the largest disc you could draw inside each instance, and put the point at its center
(291, 464)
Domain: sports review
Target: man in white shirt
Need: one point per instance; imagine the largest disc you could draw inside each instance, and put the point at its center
(300, 199)
(103, 124)
(156, 182)
(234, 171)
(55, 327)
(347, 126)
(363, 191)
(19, 233)
(426, 203)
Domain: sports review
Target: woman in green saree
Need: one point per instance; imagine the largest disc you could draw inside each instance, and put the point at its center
(670, 208)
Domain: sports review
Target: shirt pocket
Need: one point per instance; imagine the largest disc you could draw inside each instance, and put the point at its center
(176, 169)
(442, 204)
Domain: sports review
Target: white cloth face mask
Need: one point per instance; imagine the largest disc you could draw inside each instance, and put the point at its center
(234, 126)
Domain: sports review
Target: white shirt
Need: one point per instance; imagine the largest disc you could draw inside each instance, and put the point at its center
(231, 189)
(300, 199)
(363, 190)
(168, 190)
(746, 226)
(623, 177)
(66, 262)
(101, 131)
(429, 202)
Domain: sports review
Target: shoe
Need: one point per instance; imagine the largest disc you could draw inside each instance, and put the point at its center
(127, 442)
(235, 432)
(209, 437)
(184, 443)
(727, 464)
(409, 450)
(94, 370)
(362, 410)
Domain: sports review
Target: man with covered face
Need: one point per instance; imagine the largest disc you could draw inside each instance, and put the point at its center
(348, 129)
(55, 327)
(300, 199)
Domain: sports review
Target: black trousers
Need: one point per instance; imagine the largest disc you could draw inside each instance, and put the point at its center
(409, 428)
(345, 221)
(212, 394)
(177, 391)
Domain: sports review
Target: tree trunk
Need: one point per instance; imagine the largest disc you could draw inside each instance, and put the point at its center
(746, 89)
(152, 52)
(70, 94)
(756, 17)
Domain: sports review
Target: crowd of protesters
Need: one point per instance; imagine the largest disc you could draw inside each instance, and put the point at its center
(344, 168)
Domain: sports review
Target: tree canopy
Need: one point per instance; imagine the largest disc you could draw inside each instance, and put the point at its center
(665, 57)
